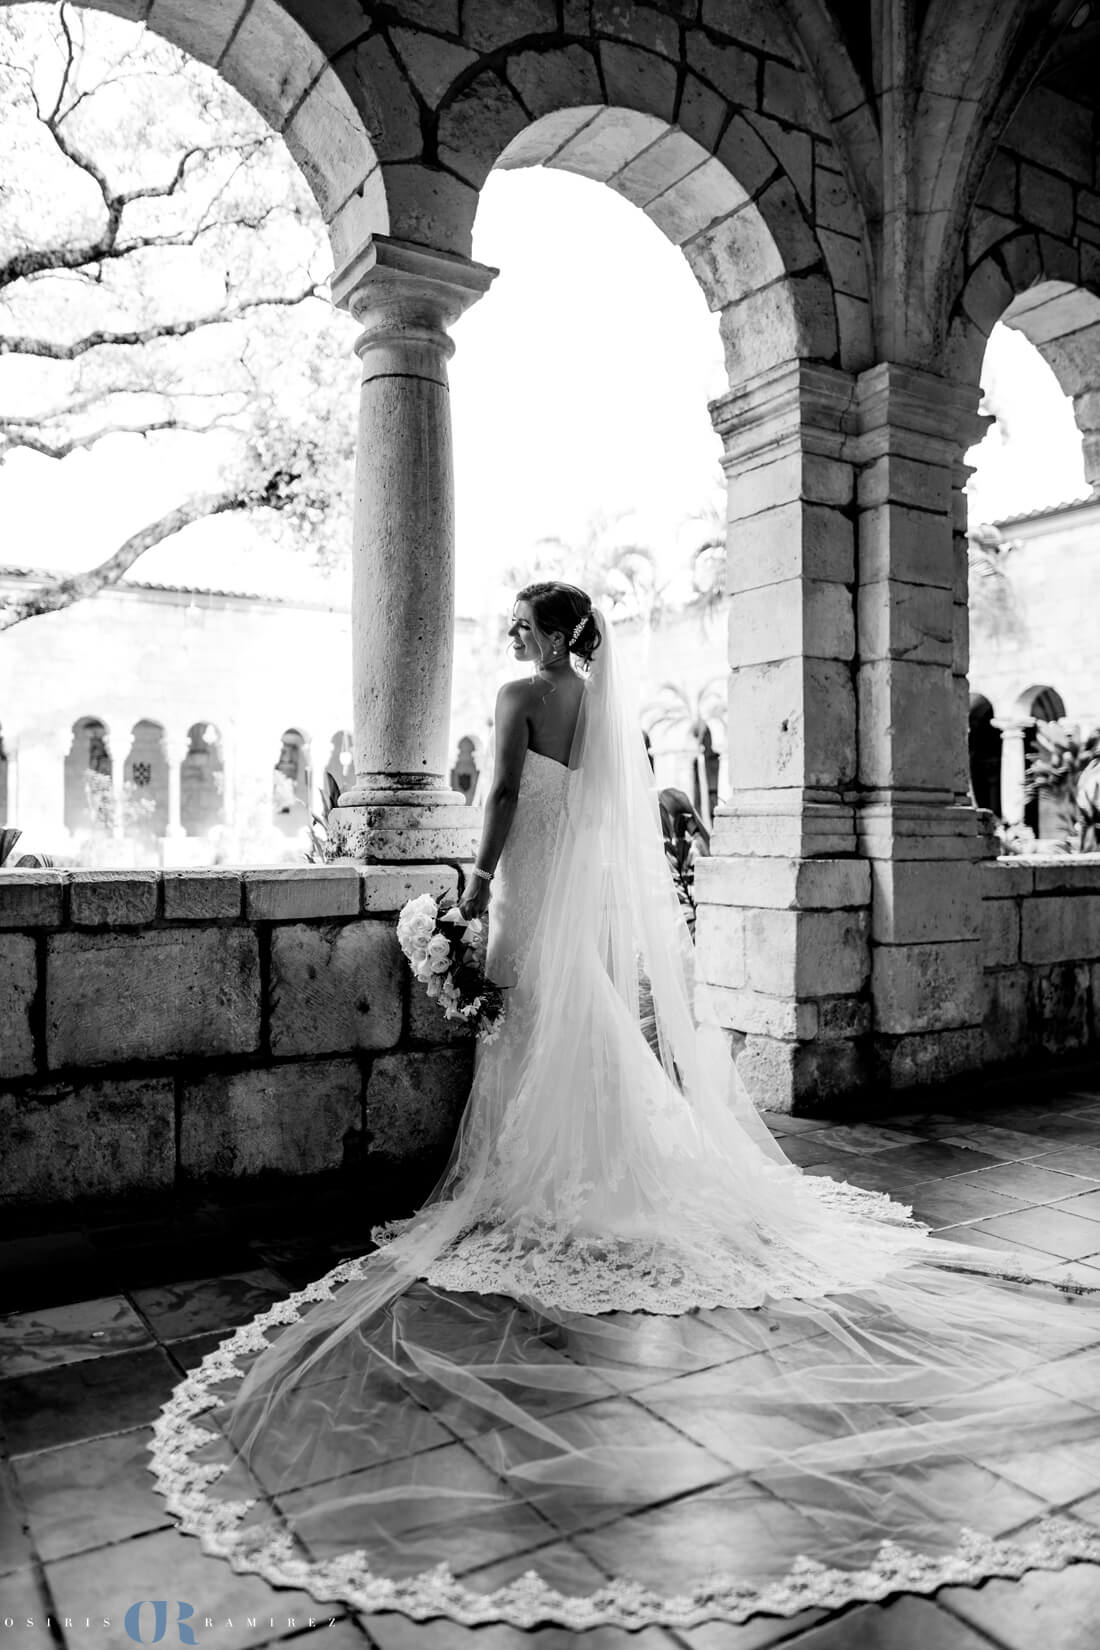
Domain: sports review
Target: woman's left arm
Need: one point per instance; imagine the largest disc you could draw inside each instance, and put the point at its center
(500, 804)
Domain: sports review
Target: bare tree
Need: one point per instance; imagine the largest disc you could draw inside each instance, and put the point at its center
(161, 277)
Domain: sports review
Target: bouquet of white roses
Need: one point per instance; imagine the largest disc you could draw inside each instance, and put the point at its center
(445, 954)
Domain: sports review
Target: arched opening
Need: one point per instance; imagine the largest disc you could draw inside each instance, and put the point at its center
(3, 782)
(341, 758)
(267, 56)
(89, 769)
(146, 778)
(290, 808)
(1039, 704)
(202, 781)
(984, 749)
(466, 772)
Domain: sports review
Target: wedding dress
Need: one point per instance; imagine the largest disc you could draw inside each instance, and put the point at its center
(628, 1364)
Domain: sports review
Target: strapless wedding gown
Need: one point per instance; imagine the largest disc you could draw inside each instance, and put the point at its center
(628, 1365)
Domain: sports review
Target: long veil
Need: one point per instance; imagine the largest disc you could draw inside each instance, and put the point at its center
(627, 1364)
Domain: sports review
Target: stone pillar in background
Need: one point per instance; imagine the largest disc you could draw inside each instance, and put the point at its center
(1014, 732)
(783, 926)
(915, 823)
(400, 806)
(175, 751)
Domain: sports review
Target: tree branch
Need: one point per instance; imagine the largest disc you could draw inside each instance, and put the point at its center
(46, 349)
(61, 448)
(51, 598)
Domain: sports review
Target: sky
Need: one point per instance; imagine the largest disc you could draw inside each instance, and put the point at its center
(580, 385)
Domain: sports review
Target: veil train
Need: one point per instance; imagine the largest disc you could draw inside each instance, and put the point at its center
(628, 1365)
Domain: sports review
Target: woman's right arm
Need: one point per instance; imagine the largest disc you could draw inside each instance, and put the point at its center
(511, 729)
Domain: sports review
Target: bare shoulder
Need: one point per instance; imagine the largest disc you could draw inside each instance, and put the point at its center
(517, 695)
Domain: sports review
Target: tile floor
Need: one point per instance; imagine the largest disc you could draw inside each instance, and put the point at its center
(102, 1319)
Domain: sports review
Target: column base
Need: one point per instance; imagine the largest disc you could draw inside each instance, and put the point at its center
(423, 827)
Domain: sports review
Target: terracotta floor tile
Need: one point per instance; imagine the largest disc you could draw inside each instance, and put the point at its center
(759, 1633)
(67, 1334)
(1067, 1236)
(15, 1546)
(85, 1400)
(1044, 1610)
(904, 1624)
(667, 1463)
(1034, 1181)
(171, 1566)
(196, 1304)
(24, 1599)
(931, 1160)
(698, 1537)
(90, 1494)
(499, 1530)
(946, 1202)
(399, 1633)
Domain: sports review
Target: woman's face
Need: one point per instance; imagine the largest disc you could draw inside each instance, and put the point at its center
(521, 633)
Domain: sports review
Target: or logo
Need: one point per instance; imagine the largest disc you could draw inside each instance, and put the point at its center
(159, 1606)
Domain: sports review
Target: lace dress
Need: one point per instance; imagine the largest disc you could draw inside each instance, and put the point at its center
(627, 1365)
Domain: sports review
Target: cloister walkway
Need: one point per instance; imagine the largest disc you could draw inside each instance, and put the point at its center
(105, 1317)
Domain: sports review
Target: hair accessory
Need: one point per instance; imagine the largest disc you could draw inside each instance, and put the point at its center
(578, 628)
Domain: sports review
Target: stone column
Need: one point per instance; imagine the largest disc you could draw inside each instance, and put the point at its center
(1014, 732)
(175, 750)
(782, 935)
(401, 806)
(915, 823)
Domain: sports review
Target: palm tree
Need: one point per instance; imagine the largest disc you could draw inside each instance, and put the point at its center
(708, 559)
(620, 576)
(680, 708)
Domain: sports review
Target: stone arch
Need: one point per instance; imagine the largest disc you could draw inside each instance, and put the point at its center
(145, 771)
(268, 56)
(341, 758)
(202, 780)
(661, 116)
(1039, 703)
(984, 751)
(1061, 318)
(292, 781)
(89, 753)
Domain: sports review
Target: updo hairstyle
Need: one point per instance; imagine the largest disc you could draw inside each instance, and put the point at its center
(563, 607)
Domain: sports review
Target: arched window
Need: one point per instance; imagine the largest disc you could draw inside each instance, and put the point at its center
(467, 770)
(89, 802)
(984, 742)
(202, 781)
(341, 758)
(3, 782)
(1040, 704)
(290, 806)
(146, 776)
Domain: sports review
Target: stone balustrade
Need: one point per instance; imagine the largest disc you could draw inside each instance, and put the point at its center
(1041, 947)
(166, 1029)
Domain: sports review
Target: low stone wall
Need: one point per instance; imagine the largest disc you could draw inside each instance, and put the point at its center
(1041, 936)
(160, 1030)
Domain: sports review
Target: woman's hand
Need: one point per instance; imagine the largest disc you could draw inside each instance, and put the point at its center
(475, 899)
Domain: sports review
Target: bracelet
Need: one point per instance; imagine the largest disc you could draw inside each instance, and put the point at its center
(483, 876)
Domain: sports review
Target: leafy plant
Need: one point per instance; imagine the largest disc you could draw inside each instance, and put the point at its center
(994, 613)
(1066, 767)
(323, 848)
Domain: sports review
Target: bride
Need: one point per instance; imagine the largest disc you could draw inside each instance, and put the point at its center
(627, 1365)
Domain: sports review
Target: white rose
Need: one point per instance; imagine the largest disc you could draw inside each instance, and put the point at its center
(439, 947)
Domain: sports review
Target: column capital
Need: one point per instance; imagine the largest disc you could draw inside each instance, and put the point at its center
(386, 274)
(800, 404)
(905, 408)
(1013, 727)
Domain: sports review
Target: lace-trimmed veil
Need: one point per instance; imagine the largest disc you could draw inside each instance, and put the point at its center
(627, 1364)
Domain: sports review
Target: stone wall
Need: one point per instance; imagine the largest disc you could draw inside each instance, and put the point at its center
(176, 1029)
(1041, 940)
